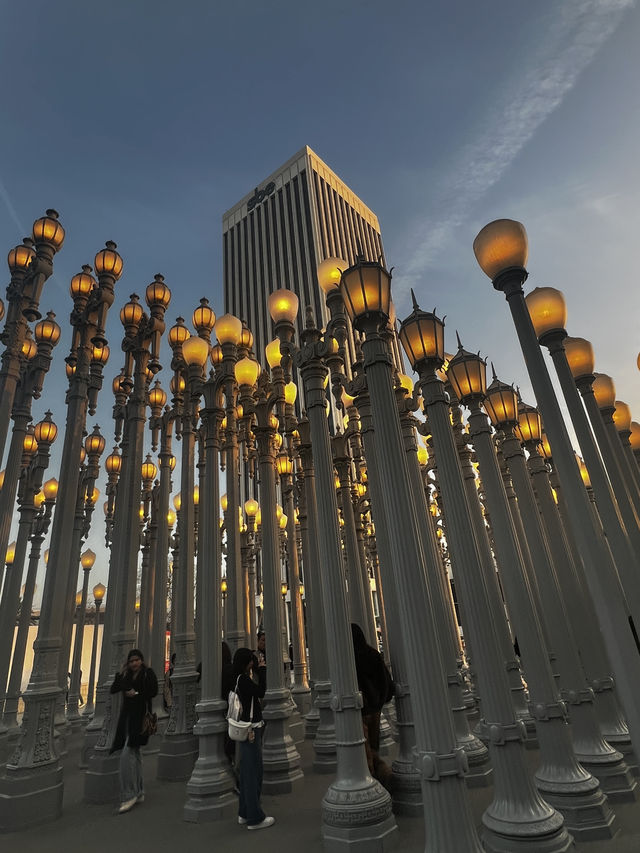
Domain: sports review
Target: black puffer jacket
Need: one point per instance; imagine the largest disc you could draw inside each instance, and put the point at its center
(133, 707)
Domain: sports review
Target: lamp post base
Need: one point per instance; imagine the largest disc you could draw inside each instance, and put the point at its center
(102, 778)
(301, 695)
(29, 797)
(177, 757)
(311, 722)
(407, 789)
(346, 827)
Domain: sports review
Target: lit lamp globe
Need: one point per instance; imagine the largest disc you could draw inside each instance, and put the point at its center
(251, 508)
(108, 261)
(283, 522)
(45, 431)
(216, 355)
(580, 356)
(228, 329)
(622, 417)
(246, 338)
(113, 462)
(423, 456)
(47, 331)
(246, 372)
(529, 427)
(1, 479)
(405, 381)
(634, 438)
(82, 283)
(283, 308)
(29, 444)
(224, 503)
(94, 444)
(148, 470)
(11, 554)
(157, 294)
(131, 314)
(171, 518)
(47, 229)
(366, 291)
(273, 354)
(177, 502)
(500, 246)
(422, 338)
(284, 589)
(548, 311)
(50, 489)
(604, 390)
(78, 598)
(501, 404)
(467, 375)
(203, 318)
(157, 398)
(223, 586)
(99, 591)
(284, 465)
(583, 472)
(20, 257)
(178, 333)
(196, 495)
(87, 559)
(546, 447)
(329, 274)
(29, 348)
(290, 393)
(195, 351)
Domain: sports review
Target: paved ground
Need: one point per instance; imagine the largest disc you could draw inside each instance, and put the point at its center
(157, 823)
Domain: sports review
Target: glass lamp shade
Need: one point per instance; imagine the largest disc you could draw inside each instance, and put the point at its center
(179, 333)
(21, 256)
(29, 444)
(247, 371)
(622, 417)
(196, 495)
(78, 598)
(94, 443)
(1, 479)
(195, 351)
(39, 499)
(87, 559)
(99, 591)
(467, 375)
(529, 426)
(283, 521)
(216, 355)
(46, 557)
(283, 306)
(83, 455)
(178, 386)
(423, 455)
(47, 229)
(604, 390)
(177, 501)
(47, 330)
(500, 245)
(347, 399)
(366, 291)
(45, 431)
(131, 313)
(580, 356)
(82, 283)
(583, 472)
(224, 503)
(228, 329)
(547, 309)
(422, 338)
(405, 381)
(290, 393)
(116, 385)
(100, 355)
(273, 421)
(93, 497)
(11, 554)
(284, 589)
(108, 261)
(634, 438)
(171, 517)
(246, 338)
(501, 404)
(251, 508)
(277, 440)
(70, 369)
(273, 354)
(113, 462)
(546, 447)
(157, 396)
(50, 489)
(172, 462)
(223, 586)
(29, 348)
(148, 469)
(278, 512)
(329, 274)
(157, 293)
(283, 464)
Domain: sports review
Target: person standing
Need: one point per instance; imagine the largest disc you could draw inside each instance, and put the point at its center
(250, 692)
(139, 685)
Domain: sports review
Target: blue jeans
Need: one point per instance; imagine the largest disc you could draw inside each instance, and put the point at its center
(131, 783)
(250, 783)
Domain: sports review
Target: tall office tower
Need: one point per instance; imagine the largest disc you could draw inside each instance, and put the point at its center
(277, 235)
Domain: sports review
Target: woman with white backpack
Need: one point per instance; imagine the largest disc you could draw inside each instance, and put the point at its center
(245, 664)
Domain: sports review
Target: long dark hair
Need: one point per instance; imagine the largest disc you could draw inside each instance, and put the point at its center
(241, 659)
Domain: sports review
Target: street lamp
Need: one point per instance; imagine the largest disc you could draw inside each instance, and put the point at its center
(87, 561)
(99, 591)
(501, 250)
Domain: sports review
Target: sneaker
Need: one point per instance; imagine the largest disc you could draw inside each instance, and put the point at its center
(140, 798)
(127, 805)
(268, 821)
(242, 820)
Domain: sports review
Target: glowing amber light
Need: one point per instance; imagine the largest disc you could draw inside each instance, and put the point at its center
(251, 507)
(196, 495)
(171, 518)
(179, 333)
(634, 438)
(47, 229)
(290, 393)
(78, 598)
(21, 256)
(500, 245)
(366, 290)
(283, 464)
(547, 309)
(94, 443)
(273, 354)
(29, 444)
(529, 427)
(246, 339)
(501, 403)
(45, 431)
(82, 283)
(157, 396)
(50, 489)
(223, 586)
(423, 455)
(273, 421)
(99, 591)
(246, 371)
(113, 462)
(546, 447)
(422, 337)
(93, 497)
(178, 386)
(347, 399)
(284, 589)
(100, 355)
(195, 351)
(87, 559)
(329, 274)
(149, 470)
(283, 305)
(47, 330)
(157, 293)
(29, 348)
(228, 329)
(177, 502)
(131, 313)
(466, 372)
(11, 554)
(580, 356)
(583, 472)
(224, 503)
(216, 355)
(622, 417)
(604, 390)
(39, 499)
(406, 382)
(277, 440)
(108, 261)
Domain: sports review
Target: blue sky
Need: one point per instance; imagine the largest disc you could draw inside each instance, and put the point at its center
(143, 122)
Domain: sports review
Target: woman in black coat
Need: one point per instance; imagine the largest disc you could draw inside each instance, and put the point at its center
(139, 685)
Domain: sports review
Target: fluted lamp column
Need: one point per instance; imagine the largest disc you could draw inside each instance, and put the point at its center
(87, 561)
(99, 591)
(501, 250)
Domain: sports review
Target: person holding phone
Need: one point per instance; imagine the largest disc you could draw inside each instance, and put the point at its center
(139, 685)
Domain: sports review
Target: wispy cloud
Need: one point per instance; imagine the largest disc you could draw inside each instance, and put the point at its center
(4, 195)
(549, 74)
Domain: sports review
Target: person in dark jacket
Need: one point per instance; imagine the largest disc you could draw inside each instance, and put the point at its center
(250, 811)
(139, 685)
(376, 685)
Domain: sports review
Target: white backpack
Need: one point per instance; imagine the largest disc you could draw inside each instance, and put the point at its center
(238, 729)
